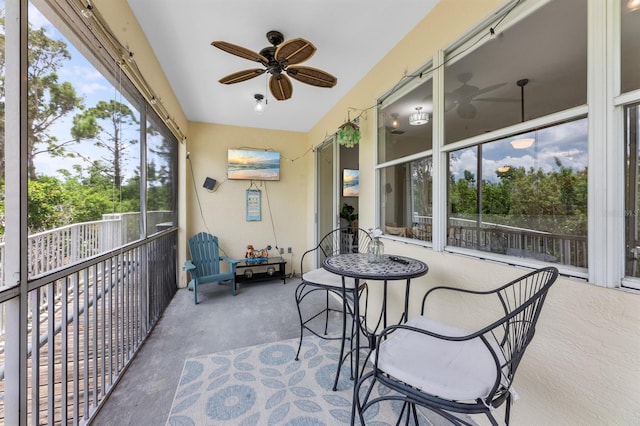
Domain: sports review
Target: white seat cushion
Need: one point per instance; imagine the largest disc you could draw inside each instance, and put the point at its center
(451, 370)
(324, 277)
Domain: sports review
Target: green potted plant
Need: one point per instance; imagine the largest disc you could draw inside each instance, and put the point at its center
(347, 213)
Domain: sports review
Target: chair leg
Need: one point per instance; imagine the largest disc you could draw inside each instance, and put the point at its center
(507, 410)
(233, 286)
(299, 291)
(326, 317)
(357, 406)
(344, 336)
(414, 411)
(195, 292)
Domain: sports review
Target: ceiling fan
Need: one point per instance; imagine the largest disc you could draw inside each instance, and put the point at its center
(280, 60)
(461, 98)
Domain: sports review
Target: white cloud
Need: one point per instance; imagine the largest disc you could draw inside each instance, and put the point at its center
(90, 88)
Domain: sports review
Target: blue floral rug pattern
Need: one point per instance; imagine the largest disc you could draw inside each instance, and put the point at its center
(265, 385)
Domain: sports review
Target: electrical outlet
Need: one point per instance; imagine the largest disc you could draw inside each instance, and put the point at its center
(281, 250)
(289, 250)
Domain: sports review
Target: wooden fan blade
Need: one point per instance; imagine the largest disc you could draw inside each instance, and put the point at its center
(489, 89)
(280, 87)
(312, 76)
(240, 51)
(295, 51)
(239, 76)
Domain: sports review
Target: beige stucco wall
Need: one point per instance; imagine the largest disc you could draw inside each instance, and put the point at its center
(284, 211)
(582, 367)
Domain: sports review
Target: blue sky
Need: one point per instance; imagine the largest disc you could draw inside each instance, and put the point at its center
(566, 142)
(92, 87)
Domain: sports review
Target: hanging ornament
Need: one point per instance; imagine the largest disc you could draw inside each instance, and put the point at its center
(348, 134)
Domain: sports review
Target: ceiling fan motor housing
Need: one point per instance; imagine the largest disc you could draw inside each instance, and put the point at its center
(275, 37)
(274, 67)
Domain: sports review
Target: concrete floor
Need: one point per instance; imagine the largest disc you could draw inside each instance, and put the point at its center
(261, 312)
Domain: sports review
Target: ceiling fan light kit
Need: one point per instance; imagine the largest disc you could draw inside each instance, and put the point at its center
(259, 106)
(280, 61)
(522, 143)
(418, 118)
(394, 120)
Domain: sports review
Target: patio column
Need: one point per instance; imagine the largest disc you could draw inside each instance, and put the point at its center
(15, 263)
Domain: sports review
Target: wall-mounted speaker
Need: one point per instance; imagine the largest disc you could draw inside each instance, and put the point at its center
(209, 183)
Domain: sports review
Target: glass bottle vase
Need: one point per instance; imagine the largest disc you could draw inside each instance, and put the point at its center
(375, 251)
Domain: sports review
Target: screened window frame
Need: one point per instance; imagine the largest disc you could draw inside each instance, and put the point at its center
(604, 110)
(422, 76)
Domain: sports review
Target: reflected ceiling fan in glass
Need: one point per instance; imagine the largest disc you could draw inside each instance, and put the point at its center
(462, 98)
(394, 125)
(522, 143)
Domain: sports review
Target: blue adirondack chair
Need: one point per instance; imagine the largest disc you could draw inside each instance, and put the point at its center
(204, 266)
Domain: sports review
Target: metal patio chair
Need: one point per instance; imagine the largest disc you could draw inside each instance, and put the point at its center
(447, 369)
(338, 241)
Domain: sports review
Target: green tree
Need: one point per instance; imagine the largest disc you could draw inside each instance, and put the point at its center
(46, 205)
(104, 123)
(160, 179)
(89, 193)
(464, 195)
(422, 186)
(49, 100)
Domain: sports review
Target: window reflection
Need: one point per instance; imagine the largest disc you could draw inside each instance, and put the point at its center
(632, 196)
(630, 45)
(528, 202)
(407, 199)
(160, 179)
(399, 134)
(481, 89)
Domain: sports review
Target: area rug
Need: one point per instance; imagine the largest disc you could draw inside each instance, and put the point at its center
(265, 385)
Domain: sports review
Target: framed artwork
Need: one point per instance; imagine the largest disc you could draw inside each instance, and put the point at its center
(350, 183)
(253, 165)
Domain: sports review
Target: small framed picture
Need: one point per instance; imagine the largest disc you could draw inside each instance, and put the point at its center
(254, 205)
(350, 183)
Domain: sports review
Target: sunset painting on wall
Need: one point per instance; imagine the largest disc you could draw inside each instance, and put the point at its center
(253, 164)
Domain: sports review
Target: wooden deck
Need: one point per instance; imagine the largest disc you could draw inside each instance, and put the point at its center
(77, 376)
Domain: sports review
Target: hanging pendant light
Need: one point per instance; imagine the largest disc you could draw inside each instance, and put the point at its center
(522, 143)
(418, 118)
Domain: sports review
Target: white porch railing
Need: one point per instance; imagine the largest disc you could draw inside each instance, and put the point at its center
(80, 342)
(53, 249)
(564, 249)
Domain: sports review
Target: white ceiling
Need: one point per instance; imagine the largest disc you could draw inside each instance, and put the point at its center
(351, 37)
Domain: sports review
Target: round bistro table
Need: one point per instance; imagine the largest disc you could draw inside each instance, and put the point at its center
(392, 268)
